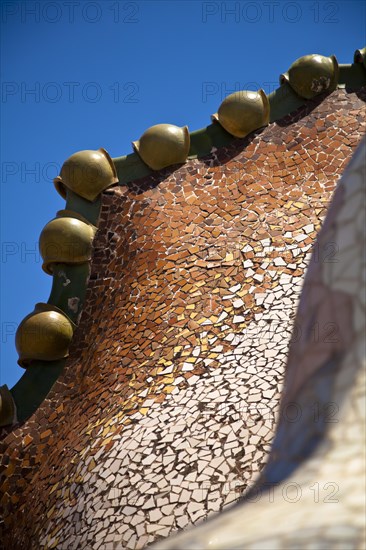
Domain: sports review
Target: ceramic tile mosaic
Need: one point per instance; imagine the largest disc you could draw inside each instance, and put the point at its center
(166, 410)
(311, 493)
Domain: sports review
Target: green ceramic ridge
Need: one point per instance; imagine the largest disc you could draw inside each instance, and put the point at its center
(35, 384)
(282, 102)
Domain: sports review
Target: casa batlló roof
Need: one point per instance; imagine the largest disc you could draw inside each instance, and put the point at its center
(154, 373)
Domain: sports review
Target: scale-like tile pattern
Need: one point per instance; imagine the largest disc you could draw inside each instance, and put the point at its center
(167, 405)
(311, 494)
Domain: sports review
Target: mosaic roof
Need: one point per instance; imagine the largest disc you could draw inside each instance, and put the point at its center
(154, 373)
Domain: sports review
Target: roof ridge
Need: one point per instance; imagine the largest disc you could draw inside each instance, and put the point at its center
(71, 272)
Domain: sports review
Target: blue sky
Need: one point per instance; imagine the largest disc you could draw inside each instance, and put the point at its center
(83, 75)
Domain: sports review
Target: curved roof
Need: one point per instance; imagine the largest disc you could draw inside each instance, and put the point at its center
(70, 281)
